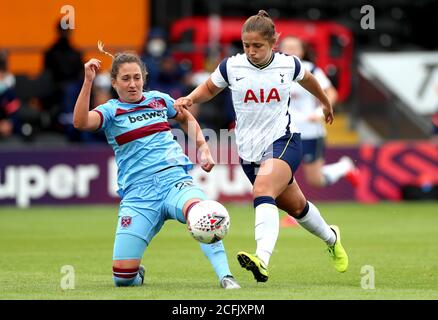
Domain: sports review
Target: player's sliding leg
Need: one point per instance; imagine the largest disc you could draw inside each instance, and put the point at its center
(134, 232)
(182, 197)
(214, 252)
(128, 250)
(308, 216)
(129, 273)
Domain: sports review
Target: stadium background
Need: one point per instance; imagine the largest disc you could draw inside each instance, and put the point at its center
(386, 118)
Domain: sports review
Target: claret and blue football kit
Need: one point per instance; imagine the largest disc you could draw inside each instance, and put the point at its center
(152, 174)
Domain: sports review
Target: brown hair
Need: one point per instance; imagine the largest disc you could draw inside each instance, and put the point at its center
(308, 52)
(121, 58)
(263, 24)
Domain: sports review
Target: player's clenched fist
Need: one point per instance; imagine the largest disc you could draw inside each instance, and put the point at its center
(91, 68)
(207, 161)
(328, 113)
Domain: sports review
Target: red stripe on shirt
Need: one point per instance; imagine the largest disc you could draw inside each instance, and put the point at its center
(125, 111)
(141, 99)
(154, 104)
(142, 132)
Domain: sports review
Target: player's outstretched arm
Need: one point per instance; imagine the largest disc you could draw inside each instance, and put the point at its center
(191, 127)
(202, 93)
(310, 83)
(83, 118)
(332, 95)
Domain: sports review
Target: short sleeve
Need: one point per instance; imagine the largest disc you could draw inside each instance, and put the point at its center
(169, 101)
(171, 112)
(220, 76)
(106, 114)
(324, 82)
(298, 69)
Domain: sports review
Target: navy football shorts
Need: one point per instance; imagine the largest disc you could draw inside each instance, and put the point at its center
(313, 149)
(287, 148)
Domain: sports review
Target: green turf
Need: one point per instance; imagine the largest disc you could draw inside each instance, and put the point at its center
(399, 240)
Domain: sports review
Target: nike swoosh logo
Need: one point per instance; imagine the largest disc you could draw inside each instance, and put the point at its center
(238, 79)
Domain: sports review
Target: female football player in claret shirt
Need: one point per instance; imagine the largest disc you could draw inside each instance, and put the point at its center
(268, 142)
(152, 169)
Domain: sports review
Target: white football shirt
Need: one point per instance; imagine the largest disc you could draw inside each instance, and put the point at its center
(261, 97)
(304, 104)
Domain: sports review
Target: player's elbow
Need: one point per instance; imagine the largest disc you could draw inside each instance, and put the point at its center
(210, 89)
(79, 124)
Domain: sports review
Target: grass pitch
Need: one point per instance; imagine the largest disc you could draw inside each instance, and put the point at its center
(398, 241)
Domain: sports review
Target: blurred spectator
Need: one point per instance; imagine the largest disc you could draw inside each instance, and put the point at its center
(201, 76)
(209, 115)
(434, 137)
(164, 72)
(101, 92)
(9, 104)
(155, 48)
(435, 122)
(64, 65)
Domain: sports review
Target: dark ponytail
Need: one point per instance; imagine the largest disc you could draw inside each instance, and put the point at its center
(263, 24)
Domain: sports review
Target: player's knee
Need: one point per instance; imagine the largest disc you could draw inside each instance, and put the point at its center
(262, 189)
(315, 181)
(299, 209)
(313, 176)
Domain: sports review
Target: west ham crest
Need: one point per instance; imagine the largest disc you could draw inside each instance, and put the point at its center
(125, 221)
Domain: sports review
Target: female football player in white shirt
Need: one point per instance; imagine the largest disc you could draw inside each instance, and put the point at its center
(308, 117)
(268, 143)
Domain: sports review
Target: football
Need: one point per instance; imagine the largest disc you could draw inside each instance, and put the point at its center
(208, 221)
